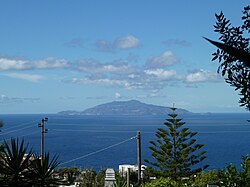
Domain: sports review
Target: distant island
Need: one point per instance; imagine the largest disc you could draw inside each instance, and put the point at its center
(132, 107)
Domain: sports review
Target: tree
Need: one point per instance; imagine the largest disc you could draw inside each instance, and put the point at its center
(100, 178)
(87, 178)
(70, 172)
(234, 54)
(41, 172)
(15, 160)
(207, 178)
(175, 151)
(20, 167)
(162, 182)
(120, 182)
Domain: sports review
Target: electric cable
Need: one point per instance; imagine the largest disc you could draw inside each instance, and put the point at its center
(84, 124)
(98, 151)
(16, 130)
(83, 130)
(20, 136)
(99, 131)
(20, 125)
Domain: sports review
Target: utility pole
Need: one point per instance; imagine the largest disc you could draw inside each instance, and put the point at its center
(43, 130)
(139, 156)
(128, 178)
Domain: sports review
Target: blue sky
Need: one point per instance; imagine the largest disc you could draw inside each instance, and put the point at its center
(59, 55)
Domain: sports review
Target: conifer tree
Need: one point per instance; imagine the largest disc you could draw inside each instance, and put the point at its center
(175, 152)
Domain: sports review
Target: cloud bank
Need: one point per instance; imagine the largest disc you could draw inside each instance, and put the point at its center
(201, 76)
(155, 74)
(19, 64)
(27, 77)
(6, 100)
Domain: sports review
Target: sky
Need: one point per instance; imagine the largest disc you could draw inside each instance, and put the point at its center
(71, 55)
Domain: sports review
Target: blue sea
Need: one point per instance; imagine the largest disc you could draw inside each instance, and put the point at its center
(107, 141)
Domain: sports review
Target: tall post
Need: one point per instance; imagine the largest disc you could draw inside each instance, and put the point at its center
(42, 140)
(139, 156)
(43, 130)
(128, 178)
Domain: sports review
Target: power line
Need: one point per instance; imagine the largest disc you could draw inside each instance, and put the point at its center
(83, 130)
(17, 130)
(98, 131)
(86, 124)
(20, 125)
(19, 136)
(98, 151)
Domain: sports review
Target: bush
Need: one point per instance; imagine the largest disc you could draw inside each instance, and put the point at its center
(162, 182)
(204, 178)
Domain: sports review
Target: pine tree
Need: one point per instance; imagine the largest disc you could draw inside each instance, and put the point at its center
(175, 152)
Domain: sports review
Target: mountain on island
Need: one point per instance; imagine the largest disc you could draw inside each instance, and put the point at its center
(132, 107)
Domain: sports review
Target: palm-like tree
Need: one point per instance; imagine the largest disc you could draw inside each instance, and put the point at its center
(42, 171)
(20, 167)
(14, 163)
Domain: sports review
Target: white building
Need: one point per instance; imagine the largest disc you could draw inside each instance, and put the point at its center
(123, 169)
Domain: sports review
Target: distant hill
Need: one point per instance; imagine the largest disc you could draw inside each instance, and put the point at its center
(132, 107)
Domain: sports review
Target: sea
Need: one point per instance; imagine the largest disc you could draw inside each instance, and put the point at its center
(98, 142)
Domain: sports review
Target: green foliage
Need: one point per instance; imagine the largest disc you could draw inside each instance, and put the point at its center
(15, 161)
(204, 178)
(162, 182)
(234, 55)
(133, 178)
(87, 178)
(42, 171)
(100, 178)
(71, 174)
(229, 176)
(20, 167)
(120, 182)
(175, 152)
(244, 175)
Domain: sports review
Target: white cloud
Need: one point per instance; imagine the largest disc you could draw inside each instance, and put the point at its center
(51, 63)
(162, 74)
(127, 42)
(104, 45)
(5, 99)
(27, 77)
(13, 64)
(122, 43)
(153, 79)
(92, 66)
(146, 79)
(166, 59)
(102, 81)
(19, 64)
(117, 95)
(133, 76)
(202, 76)
(123, 75)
